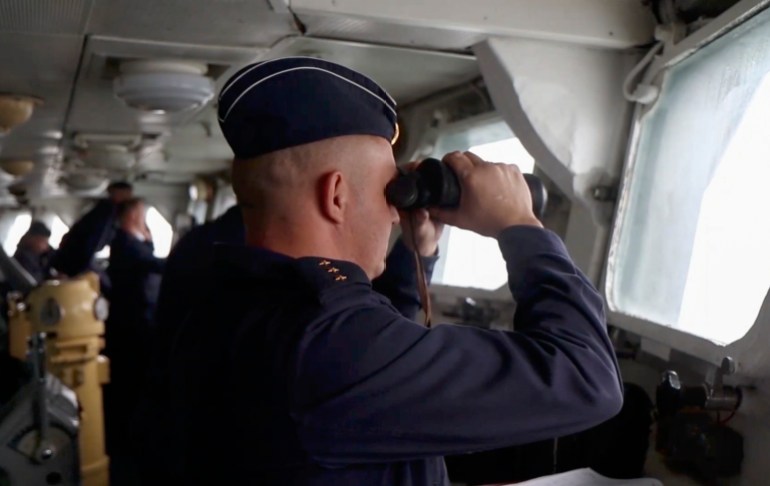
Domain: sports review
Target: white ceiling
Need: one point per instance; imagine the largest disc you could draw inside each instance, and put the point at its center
(407, 74)
(65, 52)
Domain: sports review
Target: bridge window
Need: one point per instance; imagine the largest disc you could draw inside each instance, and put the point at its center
(470, 260)
(161, 230)
(58, 230)
(18, 227)
(690, 248)
(103, 254)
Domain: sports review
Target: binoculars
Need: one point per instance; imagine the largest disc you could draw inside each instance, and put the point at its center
(435, 184)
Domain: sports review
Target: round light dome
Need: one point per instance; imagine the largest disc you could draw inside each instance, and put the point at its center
(15, 110)
(85, 182)
(163, 86)
(17, 168)
(109, 156)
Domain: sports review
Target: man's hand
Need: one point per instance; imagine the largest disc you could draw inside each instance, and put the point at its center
(146, 233)
(427, 231)
(493, 197)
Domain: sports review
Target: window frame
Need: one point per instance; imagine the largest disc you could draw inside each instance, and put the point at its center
(669, 338)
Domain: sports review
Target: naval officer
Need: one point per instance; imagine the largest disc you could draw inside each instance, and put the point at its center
(293, 370)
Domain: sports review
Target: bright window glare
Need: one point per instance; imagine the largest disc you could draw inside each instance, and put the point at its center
(690, 249)
(730, 240)
(161, 231)
(19, 226)
(471, 260)
(104, 253)
(509, 151)
(58, 230)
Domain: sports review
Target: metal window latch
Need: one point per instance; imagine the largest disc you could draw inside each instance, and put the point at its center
(712, 394)
(719, 396)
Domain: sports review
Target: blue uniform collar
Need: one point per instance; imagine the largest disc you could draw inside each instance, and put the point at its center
(261, 264)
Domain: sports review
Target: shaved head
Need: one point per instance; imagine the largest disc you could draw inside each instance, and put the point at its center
(272, 179)
(324, 198)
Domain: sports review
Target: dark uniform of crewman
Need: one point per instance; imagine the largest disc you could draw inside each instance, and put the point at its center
(294, 371)
(34, 252)
(186, 265)
(92, 232)
(192, 256)
(135, 273)
(181, 284)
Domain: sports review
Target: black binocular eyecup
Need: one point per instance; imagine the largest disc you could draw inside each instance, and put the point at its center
(435, 184)
(432, 184)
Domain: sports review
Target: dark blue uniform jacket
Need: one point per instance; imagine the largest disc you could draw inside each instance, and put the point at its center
(185, 283)
(185, 267)
(35, 264)
(192, 257)
(135, 274)
(86, 237)
(295, 371)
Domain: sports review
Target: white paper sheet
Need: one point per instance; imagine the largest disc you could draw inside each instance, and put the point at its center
(586, 477)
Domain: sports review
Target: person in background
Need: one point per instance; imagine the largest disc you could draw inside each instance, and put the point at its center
(90, 234)
(188, 259)
(34, 251)
(135, 273)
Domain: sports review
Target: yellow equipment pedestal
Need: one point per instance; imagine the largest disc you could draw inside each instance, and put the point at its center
(71, 313)
(19, 328)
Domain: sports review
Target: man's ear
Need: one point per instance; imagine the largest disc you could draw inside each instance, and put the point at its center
(334, 196)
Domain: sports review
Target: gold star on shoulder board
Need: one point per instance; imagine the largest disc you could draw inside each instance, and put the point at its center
(324, 263)
(340, 278)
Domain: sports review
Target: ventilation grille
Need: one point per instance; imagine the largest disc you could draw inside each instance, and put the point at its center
(45, 16)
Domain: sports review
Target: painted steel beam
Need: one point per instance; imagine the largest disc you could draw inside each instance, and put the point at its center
(600, 23)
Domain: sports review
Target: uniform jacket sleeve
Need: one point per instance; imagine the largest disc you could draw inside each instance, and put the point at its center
(137, 256)
(371, 386)
(86, 237)
(31, 262)
(399, 280)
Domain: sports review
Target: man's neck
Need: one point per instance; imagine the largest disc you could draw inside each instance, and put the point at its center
(296, 239)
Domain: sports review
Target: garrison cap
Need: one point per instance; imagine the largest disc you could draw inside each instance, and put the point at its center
(38, 228)
(281, 103)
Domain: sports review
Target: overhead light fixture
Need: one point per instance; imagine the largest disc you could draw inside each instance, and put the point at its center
(108, 156)
(163, 86)
(17, 168)
(200, 190)
(16, 110)
(85, 182)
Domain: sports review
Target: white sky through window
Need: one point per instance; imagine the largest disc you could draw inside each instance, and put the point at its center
(19, 226)
(58, 230)
(162, 233)
(473, 260)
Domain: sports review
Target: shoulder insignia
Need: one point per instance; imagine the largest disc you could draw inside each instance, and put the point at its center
(329, 277)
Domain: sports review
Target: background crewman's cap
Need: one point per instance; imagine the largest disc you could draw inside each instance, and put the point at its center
(38, 228)
(291, 101)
